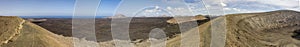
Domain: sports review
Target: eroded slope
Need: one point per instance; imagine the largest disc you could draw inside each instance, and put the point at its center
(34, 36)
(9, 28)
(268, 29)
(277, 28)
(20, 33)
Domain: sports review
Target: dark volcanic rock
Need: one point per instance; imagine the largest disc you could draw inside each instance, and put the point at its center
(139, 27)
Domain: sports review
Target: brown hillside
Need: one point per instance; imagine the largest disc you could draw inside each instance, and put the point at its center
(277, 28)
(10, 28)
(26, 34)
(268, 29)
(16, 32)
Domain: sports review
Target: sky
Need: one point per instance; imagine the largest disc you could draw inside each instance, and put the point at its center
(36, 7)
(144, 7)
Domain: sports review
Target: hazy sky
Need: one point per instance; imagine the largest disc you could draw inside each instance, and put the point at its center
(142, 7)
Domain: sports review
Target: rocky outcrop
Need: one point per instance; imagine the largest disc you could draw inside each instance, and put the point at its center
(9, 28)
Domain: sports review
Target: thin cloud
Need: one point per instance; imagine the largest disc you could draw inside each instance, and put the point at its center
(244, 6)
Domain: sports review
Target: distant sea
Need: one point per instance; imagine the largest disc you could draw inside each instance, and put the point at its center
(56, 16)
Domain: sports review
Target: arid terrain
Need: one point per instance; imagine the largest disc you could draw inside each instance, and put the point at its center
(16, 32)
(266, 29)
(139, 27)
